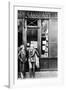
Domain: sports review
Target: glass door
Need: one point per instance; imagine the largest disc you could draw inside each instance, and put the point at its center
(32, 37)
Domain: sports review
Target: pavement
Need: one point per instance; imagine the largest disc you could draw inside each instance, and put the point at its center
(43, 74)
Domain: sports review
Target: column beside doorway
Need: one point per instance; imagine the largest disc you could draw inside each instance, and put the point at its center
(39, 36)
(24, 31)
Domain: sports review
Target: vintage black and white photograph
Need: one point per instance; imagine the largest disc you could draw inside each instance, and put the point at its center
(37, 44)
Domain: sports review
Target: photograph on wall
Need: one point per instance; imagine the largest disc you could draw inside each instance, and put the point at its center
(37, 44)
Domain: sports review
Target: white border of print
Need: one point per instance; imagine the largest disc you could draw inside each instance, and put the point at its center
(13, 82)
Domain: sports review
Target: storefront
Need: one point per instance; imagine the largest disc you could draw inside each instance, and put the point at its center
(40, 29)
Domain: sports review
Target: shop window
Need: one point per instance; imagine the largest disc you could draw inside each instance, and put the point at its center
(44, 38)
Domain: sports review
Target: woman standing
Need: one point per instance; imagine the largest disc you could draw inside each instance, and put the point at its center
(22, 58)
(32, 61)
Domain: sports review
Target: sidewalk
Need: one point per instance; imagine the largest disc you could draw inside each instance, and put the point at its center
(43, 74)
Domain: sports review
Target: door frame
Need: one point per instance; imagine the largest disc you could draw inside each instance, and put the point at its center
(39, 34)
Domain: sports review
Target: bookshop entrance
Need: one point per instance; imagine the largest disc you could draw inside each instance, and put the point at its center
(40, 29)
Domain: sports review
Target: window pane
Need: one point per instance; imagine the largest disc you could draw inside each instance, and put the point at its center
(53, 28)
(52, 49)
(31, 22)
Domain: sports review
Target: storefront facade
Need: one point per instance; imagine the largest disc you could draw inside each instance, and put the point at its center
(40, 29)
